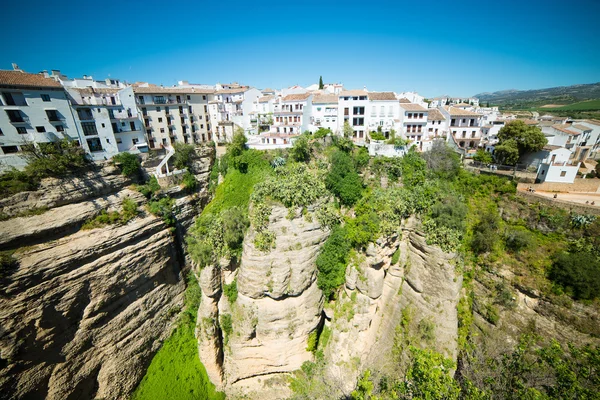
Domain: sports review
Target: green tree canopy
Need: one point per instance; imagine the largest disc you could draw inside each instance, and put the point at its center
(507, 152)
(320, 82)
(483, 156)
(527, 138)
(348, 130)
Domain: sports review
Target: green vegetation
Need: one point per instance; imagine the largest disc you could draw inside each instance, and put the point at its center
(516, 139)
(231, 291)
(184, 155)
(150, 188)
(226, 326)
(578, 273)
(176, 371)
(483, 156)
(163, 208)
(54, 159)
(322, 132)
(301, 150)
(27, 213)
(188, 181)
(129, 210)
(7, 263)
(332, 261)
(343, 180)
(589, 105)
(128, 163)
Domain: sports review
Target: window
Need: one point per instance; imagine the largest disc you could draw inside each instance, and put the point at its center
(94, 144)
(21, 130)
(40, 129)
(136, 140)
(108, 140)
(453, 122)
(563, 173)
(89, 129)
(203, 97)
(15, 116)
(358, 121)
(188, 97)
(119, 141)
(464, 120)
(159, 119)
(104, 126)
(473, 134)
(1, 134)
(346, 111)
(358, 111)
(132, 125)
(159, 100)
(190, 109)
(162, 130)
(10, 149)
(420, 115)
(45, 97)
(157, 108)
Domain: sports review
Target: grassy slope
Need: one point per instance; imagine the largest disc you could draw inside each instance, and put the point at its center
(176, 371)
(591, 105)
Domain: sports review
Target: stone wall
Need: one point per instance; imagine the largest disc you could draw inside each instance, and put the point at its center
(567, 205)
(579, 186)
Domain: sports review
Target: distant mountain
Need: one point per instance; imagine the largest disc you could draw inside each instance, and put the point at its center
(559, 95)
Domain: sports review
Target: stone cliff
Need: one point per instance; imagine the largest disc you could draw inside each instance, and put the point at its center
(83, 311)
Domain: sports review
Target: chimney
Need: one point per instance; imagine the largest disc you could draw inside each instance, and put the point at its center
(45, 73)
(16, 67)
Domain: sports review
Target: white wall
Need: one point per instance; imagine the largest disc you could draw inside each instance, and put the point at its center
(553, 173)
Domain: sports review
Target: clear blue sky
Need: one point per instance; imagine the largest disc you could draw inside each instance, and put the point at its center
(435, 47)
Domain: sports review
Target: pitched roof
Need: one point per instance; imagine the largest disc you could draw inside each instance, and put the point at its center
(462, 105)
(325, 99)
(231, 91)
(356, 92)
(163, 90)
(382, 96)
(550, 147)
(582, 127)
(459, 112)
(91, 90)
(563, 128)
(435, 115)
(265, 99)
(268, 90)
(412, 107)
(296, 97)
(22, 79)
(529, 121)
(404, 100)
(592, 121)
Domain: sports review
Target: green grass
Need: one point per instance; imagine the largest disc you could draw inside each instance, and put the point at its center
(176, 371)
(590, 105)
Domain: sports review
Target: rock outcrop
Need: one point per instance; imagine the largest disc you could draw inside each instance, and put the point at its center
(83, 311)
(363, 321)
(278, 305)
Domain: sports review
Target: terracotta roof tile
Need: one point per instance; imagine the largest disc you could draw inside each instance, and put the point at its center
(412, 107)
(161, 90)
(296, 97)
(382, 96)
(265, 99)
(325, 99)
(459, 112)
(435, 115)
(91, 90)
(358, 92)
(23, 79)
(563, 128)
(232, 91)
(404, 100)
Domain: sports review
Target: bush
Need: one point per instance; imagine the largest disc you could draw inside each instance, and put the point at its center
(7, 263)
(395, 257)
(128, 163)
(485, 232)
(129, 209)
(578, 273)
(184, 155)
(376, 135)
(332, 261)
(234, 223)
(57, 158)
(322, 132)
(363, 229)
(343, 180)
(301, 150)
(226, 327)
(15, 181)
(517, 240)
(163, 208)
(264, 241)
(150, 188)
(189, 182)
(231, 291)
(442, 160)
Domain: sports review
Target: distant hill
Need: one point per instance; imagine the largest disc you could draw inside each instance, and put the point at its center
(535, 98)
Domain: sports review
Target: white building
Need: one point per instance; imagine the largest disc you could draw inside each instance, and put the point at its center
(557, 167)
(464, 126)
(383, 112)
(262, 115)
(352, 106)
(292, 114)
(437, 127)
(324, 112)
(231, 108)
(35, 109)
(413, 123)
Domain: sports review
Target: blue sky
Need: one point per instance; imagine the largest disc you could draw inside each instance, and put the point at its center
(434, 47)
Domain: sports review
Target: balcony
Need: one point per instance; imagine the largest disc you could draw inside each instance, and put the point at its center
(22, 119)
(98, 101)
(56, 118)
(162, 101)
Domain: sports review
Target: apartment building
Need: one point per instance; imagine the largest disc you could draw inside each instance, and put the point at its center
(413, 123)
(173, 115)
(35, 109)
(291, 114)
(324, 112)
(231, 107)
(262, 116)
(384, 110)
(352, 106)
(465, 126)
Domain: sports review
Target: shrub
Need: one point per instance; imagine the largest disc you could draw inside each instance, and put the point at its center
(129, 210)
(57, 158)
(485, 232)
(395, 257)
(376, 135)
(150, 188)
(483, 157)
(184, 155)
(442, 160)
(264, 241)
(7, 263)
(234, 223)
(363, 229)
(163, 208)
(312, 342)
(343, 180)
(128, 163)
(517, 240)
(226, 327)
(231, 291)
(578, 273)
(332, 261)
(189, 182)
(322, 132)
(301, 150)
(15, 181)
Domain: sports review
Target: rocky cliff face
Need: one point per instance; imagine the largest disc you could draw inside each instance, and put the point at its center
(364, 321)
(278, 306)
(84, 311)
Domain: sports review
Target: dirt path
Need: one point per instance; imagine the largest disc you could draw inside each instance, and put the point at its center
(574, 197)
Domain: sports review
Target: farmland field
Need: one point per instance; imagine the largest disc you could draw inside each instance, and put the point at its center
(589, 105)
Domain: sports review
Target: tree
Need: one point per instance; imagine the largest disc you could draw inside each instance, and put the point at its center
(129, 163)
(320, 82)
(442, 160)
(487, 104)
(184, 155)
(507, 152)
(578, 273)
(527, 139)
(483, 157)
(301, 149)
(348, 130)
(238, 144)
(342, 179)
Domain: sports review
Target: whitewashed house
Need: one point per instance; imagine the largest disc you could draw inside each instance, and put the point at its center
(324, 112)
(352, 106)
(291, 114)
(413, 123)
(557, 166)
(34, 109)
(464, 126)
(383, 111)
